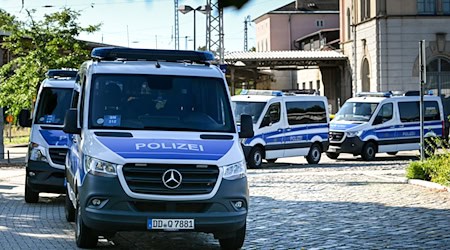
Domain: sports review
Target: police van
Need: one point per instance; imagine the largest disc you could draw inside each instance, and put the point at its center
(48, 142)
(384, 123)
(285, 123)
(155, 147)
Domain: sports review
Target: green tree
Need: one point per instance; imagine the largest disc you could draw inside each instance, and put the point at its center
(37, 46)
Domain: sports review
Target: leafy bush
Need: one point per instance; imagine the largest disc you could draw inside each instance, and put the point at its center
(435, 169)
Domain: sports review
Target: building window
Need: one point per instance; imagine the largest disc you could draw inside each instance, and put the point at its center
(311, 85)
(365, 9)
(348, 25)
(304, 85)
(318, 86)
(446, 7)
(426, 7)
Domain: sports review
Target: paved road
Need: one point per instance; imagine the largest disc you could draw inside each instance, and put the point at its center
(344, 204)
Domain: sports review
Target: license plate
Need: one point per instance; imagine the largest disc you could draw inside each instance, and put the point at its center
(170, 224)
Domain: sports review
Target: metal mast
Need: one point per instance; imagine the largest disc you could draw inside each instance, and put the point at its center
(247, 20)
(214, 29)
(177, 26)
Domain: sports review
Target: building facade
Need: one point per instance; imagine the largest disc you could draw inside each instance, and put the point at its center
(381, 40)
(278, 30)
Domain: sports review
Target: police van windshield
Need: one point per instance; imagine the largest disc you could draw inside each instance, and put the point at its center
(52, 106)
(254, 109)
(356, 111)
(155, 102)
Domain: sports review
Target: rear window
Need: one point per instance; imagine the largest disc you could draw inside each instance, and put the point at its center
(410, 111)
(306, 112)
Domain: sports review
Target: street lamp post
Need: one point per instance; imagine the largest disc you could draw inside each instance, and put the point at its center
(186, 9)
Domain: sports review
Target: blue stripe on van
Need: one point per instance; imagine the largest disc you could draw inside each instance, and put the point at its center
(167, 148)
(54, 137)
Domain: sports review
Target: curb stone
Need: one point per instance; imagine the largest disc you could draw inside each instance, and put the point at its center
(428, 184)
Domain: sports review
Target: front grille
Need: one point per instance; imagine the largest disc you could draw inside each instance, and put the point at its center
(58, 155)
(177, 207)
(336, 136)
(147, 178)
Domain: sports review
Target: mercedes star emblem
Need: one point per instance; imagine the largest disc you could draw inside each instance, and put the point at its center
(172, 178)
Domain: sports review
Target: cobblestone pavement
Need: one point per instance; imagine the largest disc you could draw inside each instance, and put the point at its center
(344, 204)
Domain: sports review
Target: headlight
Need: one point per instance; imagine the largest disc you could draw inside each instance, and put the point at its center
(354, 133)
(37, 152)
(235, 171)
(96, 166)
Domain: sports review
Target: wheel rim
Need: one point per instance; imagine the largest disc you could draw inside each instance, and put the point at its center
(257, 158)
(316, 154)
(370, 151)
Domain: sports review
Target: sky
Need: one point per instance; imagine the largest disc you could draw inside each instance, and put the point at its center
(150, 23)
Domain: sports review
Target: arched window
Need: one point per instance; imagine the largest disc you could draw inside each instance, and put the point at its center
(438, 80)
(365, 76)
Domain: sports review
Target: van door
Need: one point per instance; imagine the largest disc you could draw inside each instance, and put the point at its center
(408, 132)
(385, 130)
(271, 129)
(296, 137)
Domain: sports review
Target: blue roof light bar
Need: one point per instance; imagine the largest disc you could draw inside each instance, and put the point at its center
(129, 54)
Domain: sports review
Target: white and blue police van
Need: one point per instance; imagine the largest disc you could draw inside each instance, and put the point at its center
(155, 147)
(48, 142)
(285, 124)
(380, 122)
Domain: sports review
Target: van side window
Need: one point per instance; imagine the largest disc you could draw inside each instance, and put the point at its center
(384, 115)
(272, 115)
(306, 112)
(432, 111)
(409, 111)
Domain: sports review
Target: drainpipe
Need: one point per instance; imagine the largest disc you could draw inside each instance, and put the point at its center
(355, 67)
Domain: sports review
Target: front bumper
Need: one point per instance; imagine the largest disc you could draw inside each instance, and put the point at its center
(352, 145)
(119, 212)
(45, 178)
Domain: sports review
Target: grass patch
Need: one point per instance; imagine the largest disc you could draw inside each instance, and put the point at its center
(18, 135)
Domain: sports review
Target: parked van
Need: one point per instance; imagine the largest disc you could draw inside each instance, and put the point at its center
(285, 124)
(48, 143)
(384, 123)
(155, 147)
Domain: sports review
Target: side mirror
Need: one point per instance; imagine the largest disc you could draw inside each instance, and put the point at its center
(246, 127)
(25, 118)
(70, 122)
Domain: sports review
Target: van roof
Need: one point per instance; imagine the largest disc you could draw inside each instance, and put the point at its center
(152, 67)
(58, 83)
(393, 98)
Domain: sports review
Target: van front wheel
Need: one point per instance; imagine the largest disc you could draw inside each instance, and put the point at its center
(314, 154)
(30, 195)
(68, 208)
(84, 236)
(255, 157)
(369, 151)
(235, 242)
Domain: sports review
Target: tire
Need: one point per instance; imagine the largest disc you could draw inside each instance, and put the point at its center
(271, 161)
(69, 209)
(333, 156)
(314, 154)
(255, 157)
(84, 236)
(369, 151)
(392, 153)
(235, 242)
(30, 195)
